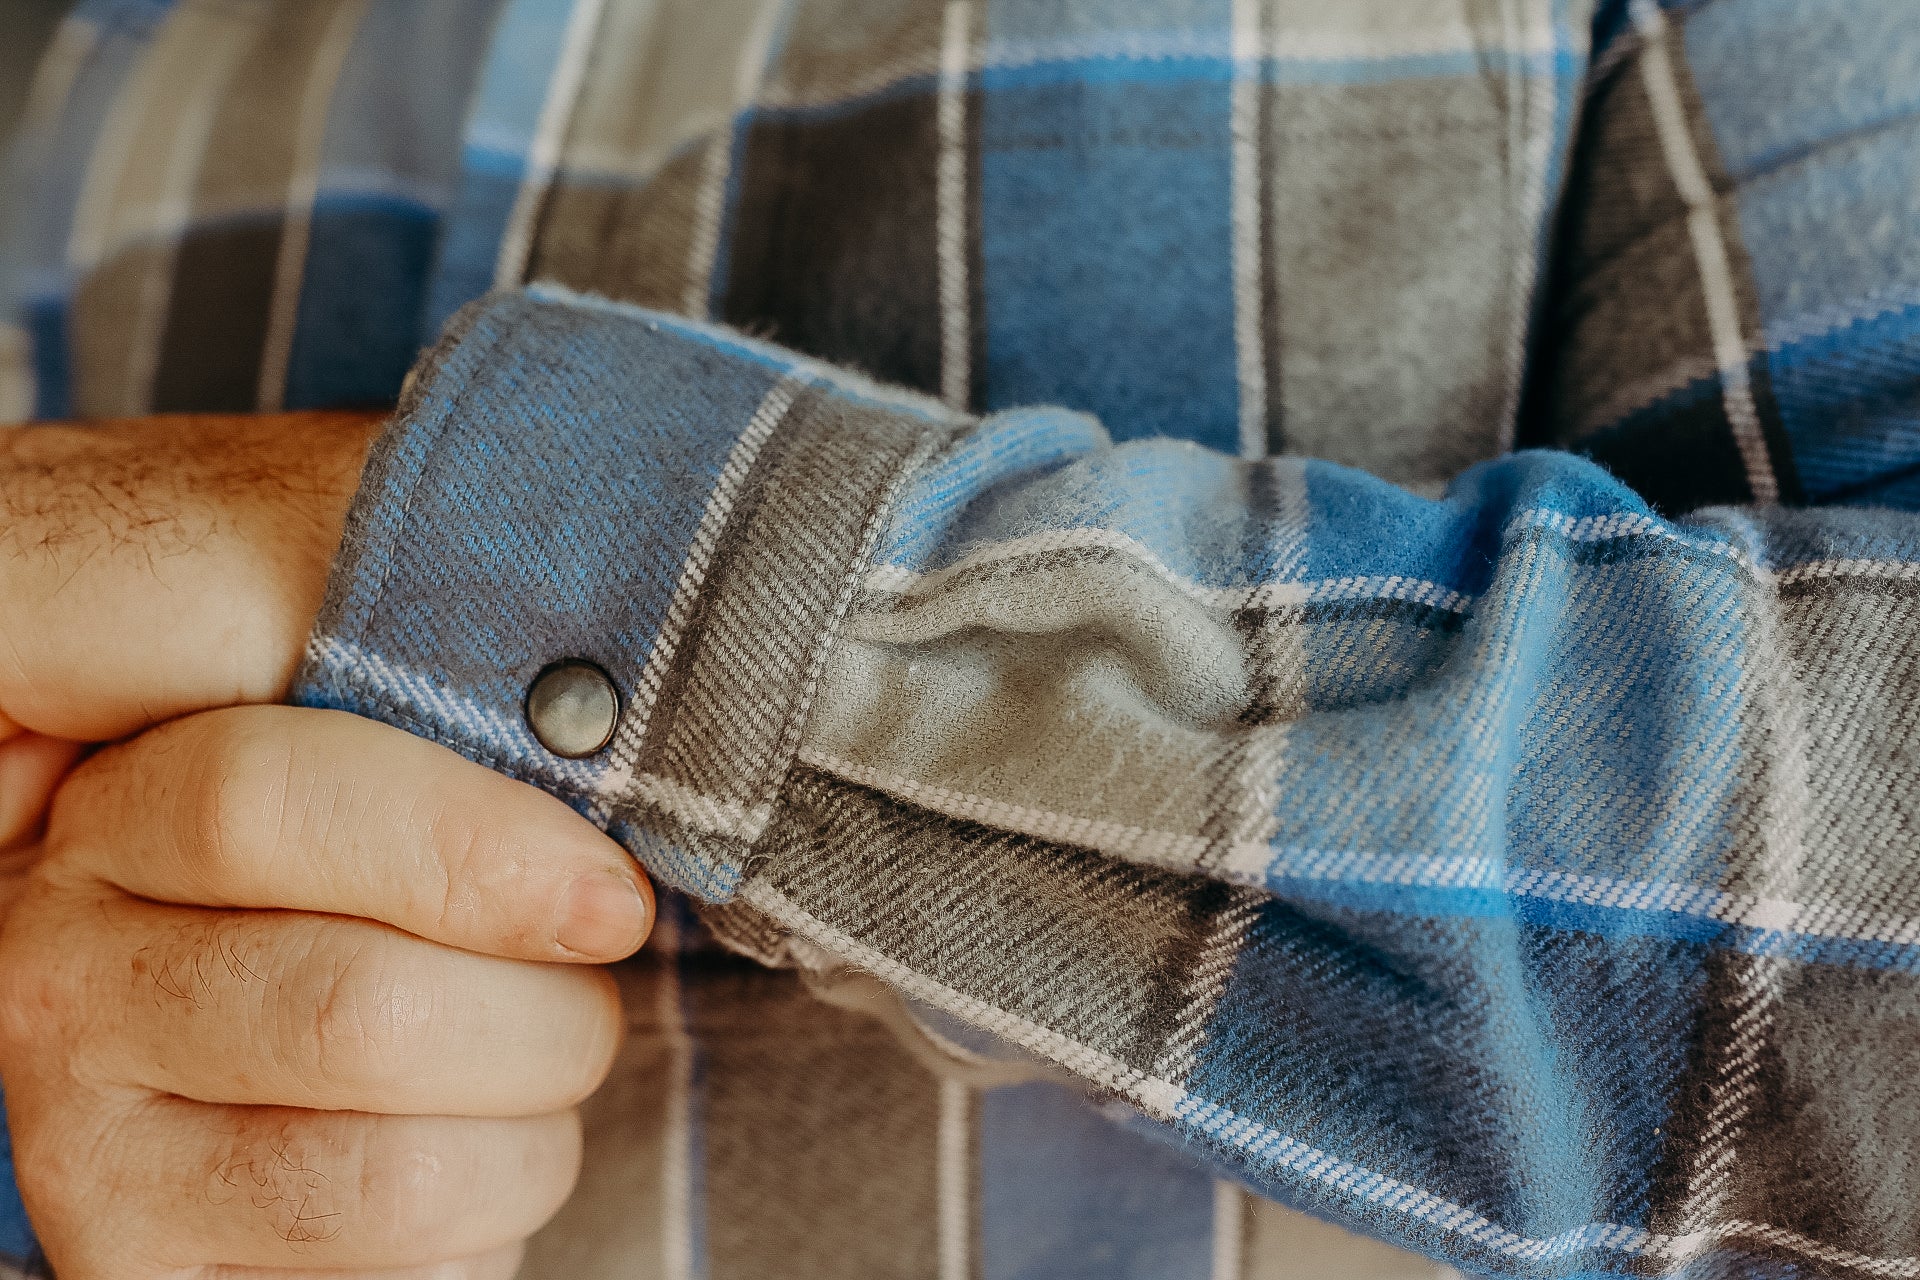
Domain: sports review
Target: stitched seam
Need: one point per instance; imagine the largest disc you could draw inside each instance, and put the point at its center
(369, 695)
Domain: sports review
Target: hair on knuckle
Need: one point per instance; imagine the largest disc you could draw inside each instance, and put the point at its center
(197, 962)
(278, 1174)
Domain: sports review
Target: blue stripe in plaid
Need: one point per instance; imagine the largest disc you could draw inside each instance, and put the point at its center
(505, 113)
(1846, 397)
(386, 175)
(1014, 67)
(1561, 1162)
(1610, 908)
(1077, 302)
(367, 261)
(1048, 1164)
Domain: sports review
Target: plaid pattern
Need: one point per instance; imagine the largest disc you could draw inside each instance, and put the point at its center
(1522, 876)
(1143, 211)
(1740, 297)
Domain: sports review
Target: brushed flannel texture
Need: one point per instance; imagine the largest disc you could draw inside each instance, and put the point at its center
(1515, 876)
(1517, 865)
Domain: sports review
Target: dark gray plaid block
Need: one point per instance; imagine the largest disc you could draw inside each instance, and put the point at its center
(1630, 371)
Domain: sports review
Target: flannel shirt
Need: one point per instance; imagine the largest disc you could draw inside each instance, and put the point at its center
(1041, 476)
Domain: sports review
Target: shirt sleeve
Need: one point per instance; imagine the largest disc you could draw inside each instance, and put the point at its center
(1519, 876)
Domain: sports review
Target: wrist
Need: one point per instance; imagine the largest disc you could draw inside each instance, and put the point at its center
(158, 566)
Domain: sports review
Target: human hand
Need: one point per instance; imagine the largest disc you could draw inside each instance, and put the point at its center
(155, 567)
(290, 989)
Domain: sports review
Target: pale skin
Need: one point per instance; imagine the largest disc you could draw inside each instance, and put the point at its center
(282, 992)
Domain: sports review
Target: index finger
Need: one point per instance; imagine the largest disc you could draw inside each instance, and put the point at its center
(281, 807)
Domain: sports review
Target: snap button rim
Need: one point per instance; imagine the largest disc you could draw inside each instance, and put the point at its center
(552, 668)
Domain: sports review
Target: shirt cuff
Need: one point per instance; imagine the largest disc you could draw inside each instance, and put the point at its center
(683, 508)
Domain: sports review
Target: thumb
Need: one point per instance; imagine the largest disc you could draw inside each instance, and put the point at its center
(154, 567)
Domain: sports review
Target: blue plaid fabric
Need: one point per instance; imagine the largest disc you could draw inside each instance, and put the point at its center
(1041, 477)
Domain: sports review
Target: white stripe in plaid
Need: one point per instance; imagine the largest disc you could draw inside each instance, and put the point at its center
(1703, 225)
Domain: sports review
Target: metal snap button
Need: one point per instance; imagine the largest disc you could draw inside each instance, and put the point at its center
(572, 708)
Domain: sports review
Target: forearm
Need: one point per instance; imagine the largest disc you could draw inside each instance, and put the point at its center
(1391, 850)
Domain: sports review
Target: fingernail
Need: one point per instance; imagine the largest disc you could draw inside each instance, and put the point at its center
(602, 915)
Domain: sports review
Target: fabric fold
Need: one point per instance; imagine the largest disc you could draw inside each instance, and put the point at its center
(1510, 876)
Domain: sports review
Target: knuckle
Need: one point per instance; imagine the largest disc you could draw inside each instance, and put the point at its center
(461, 853)
(72, 815)
(580, 1055)
(64, 1154)
(470, 1183)
(363, 1020)
(289, 1173)
(444, 1188)
(479, 875)
(236, 803)
(414, 1187)
(49, 969)
(556, 1163)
